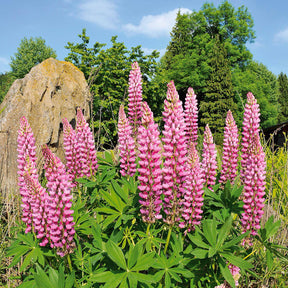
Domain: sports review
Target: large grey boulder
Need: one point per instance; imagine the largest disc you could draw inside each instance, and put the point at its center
(51, 91)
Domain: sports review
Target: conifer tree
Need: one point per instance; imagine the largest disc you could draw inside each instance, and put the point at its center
(283, 97)
(186, 59)
(218, 98)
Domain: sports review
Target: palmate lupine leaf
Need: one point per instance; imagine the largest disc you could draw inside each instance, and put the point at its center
(226, 272)
(27, 247)
(54, 279)
(209, 230)
(170, 270)
(128, 272)
(151, 241)
(116, 254)
(118, 205)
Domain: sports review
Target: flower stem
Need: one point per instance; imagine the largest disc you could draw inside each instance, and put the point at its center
(69, 263)
(168, 240)
(147, 231)
(70, 268)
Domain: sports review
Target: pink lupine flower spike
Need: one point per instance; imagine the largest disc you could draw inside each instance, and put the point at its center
(126, 145)
(230, 150)
(60, 219)
(150, 173)
(209, 162)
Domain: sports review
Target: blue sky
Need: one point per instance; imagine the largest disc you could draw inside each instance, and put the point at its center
(146, 23)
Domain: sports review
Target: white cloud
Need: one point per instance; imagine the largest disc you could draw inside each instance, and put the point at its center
(101, 12)
(282, 36)
(155, 25)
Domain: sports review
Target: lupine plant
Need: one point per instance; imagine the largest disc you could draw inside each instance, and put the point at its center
(175, 155)
(59, 218)
(126, 145)
(209, 162)
(230, 150)
(150, 172)
(86, 149)
(193, 200)
(71, 148)
(156, 218)
(135, 97)
(191, 116)
(26, 164)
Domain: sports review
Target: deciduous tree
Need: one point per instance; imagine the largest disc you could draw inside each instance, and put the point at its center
(29, 53)
(107, 72)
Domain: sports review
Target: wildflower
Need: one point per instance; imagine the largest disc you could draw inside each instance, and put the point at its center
(72, 151)
(230, 150)
(175, 151)
(254, 187)
(126, 145)
(209, 163)
(135, 97)
(251, 122)
(87, 151)
(38, 202)
(60, 219)
(191, 117)
(150, 173)
(253, 167)
(193, 200)
(26, 164)
(235, 271)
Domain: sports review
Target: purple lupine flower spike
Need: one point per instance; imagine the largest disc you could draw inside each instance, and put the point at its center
(126, 145)
(209, 162)
(87, 151)
(175, 151)
(26, 163)
(135, 97)
(230, 150)
(193, 200)
(60, 219)
(150, 173)
(72, 151)
(254, 187)
(191, 117)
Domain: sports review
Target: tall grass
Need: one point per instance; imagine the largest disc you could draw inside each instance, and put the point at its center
(10, 217)
(277, 186)
(273, 272)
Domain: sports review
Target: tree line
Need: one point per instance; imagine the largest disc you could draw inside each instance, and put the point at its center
(207, 51)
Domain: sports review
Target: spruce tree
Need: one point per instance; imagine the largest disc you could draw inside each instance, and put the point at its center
(218, 98)
(283, 97)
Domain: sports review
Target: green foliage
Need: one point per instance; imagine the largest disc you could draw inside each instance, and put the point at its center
(187, 57)
(30, 53)
(107, 71)
(218, 98)
(6, 80)
(114, 248)
(283, 97)
(277, 183)
(190, 60)
(256, 78)
(224, 199)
